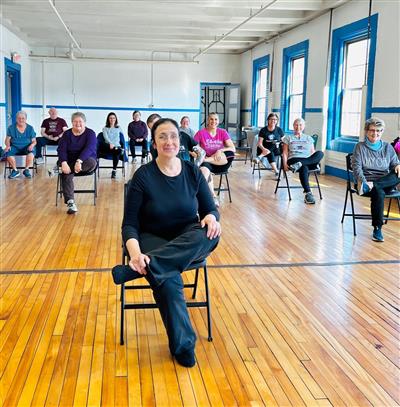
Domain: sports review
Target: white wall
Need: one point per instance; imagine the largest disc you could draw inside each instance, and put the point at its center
(386, 88)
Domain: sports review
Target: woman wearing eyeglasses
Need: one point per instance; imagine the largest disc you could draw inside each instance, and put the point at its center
(376, 169)
(170, 221)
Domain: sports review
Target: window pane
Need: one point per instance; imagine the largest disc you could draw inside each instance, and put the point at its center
(261, 113)
(351, 112)
(297, 78)
(295, 109)
(355, 66)
(261, 96)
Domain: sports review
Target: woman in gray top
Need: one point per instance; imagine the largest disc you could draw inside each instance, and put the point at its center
(376, 169)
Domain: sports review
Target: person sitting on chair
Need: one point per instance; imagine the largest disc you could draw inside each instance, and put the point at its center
(376, 170)
(51, 130)
(137, 133)
(185, 126)
(111, 145)
(219, 149)
(170, 221)
(76, 154)
(268, 142)
(299, 155)
(20, 140)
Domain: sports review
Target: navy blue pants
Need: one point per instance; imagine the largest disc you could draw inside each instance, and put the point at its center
(168, 259)
(309, 163)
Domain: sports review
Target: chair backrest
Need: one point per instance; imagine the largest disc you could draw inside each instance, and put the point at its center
(315, 138)
(251, 134)
(254, 146)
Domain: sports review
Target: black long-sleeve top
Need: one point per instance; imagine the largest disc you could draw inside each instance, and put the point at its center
(163, 205)
(137, 130)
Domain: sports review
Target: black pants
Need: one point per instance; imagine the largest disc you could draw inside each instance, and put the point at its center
(41, 142)
(168, 259)
(377, 195)
(217, 169)
(308, 163)
(133, 143)
(274, 151)
(116, 153)
(67, 180)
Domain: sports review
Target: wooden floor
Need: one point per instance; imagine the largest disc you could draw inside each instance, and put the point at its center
(303, 312)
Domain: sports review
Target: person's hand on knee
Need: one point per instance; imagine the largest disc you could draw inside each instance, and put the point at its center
(213, 226)
(139, 263)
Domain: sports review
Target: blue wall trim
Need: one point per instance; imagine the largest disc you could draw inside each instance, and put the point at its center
(385, 110)
(290, 53)
(2, 104)
(258, 64)
(142, 109)
(30, 106)
(16, 88)
(245, 110)
(336, 172)
(275, 110)
(340, 36)
(313, 110)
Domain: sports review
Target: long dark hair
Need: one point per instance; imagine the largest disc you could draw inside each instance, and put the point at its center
(108, 119)
(159, 123)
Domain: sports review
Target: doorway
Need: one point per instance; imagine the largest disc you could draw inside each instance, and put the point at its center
(12, 90)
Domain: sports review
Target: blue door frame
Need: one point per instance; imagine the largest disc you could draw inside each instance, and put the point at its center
(13, 105)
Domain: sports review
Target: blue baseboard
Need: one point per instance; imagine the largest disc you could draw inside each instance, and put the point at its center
(336, 172)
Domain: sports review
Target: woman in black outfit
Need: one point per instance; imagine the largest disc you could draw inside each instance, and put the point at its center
(137, 133)
(170, 221)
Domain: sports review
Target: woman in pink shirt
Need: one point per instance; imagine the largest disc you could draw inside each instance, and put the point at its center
(219, 149)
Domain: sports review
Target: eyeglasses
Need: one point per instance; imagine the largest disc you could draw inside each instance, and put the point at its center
(165, 137)
(375, 130)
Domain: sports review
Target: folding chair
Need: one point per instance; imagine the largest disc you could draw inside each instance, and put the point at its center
(352, 189)
(220, 187)
(18, 161)
(59, 191)
(151, 305)
(288, 186)
(102, 155)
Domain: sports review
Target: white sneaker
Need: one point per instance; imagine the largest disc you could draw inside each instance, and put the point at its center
(201, 155)
(71, 207)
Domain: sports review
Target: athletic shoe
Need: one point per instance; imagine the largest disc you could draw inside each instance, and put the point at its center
(14, 174)
(71, 207)
(39, 161)
(186, 358)
(365, 187)
(377, 235)
(113, 174)
(216, 201)
(201, 155)
(309, 198)
(123, 273)
(27, 173)
(295, 166)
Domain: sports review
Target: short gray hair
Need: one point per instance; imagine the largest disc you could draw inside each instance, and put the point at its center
(374, 121)
(78, 114)
(299, 119)
(21, 113)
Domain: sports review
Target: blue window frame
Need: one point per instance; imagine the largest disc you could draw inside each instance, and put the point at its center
(12, 79)
(259, 99)
(341, 38)
(293, 100)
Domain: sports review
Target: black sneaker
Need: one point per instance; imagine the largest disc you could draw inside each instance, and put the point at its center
(186, 358)
(377, 235)
(113, 174)
(123, 273)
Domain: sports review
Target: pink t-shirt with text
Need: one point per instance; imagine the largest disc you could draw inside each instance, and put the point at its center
(209, 143)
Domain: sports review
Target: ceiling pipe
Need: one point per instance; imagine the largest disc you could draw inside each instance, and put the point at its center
(52, 2)
(50, 58)
(263, 8)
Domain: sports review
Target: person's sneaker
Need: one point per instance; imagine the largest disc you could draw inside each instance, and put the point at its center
(365, 188)
(201, 154)
(54, 171)
(123, 273)
(113, 174)
(71, 207)
(39, 161)
(14, 174)
(309, 198)
(27, 173)
(295, 166)
(377, 235)
(216, 201)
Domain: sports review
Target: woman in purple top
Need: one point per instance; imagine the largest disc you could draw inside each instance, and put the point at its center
(219, 149)
(137, 132)
(77, 154)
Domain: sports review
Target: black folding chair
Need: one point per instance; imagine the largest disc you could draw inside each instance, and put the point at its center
(351, 189)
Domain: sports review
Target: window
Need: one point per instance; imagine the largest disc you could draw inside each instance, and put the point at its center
(294, 76)
(260, 92)
(352, 61)
(353, 79)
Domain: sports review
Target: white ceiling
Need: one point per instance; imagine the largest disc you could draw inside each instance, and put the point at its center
(184, 27)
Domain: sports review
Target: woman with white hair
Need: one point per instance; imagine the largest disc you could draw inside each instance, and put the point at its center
(376, 169)
(20, 140)
(299, 155)
(77, 153)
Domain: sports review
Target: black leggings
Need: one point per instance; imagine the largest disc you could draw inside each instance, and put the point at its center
(217, 169)
(309, 163)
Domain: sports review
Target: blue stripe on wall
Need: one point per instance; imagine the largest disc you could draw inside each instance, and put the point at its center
(27, 105)
(245, 110)
(142, 109)
(2, 104)
(385, 110)
(336, 172)
(276, 110)
(313, 110)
